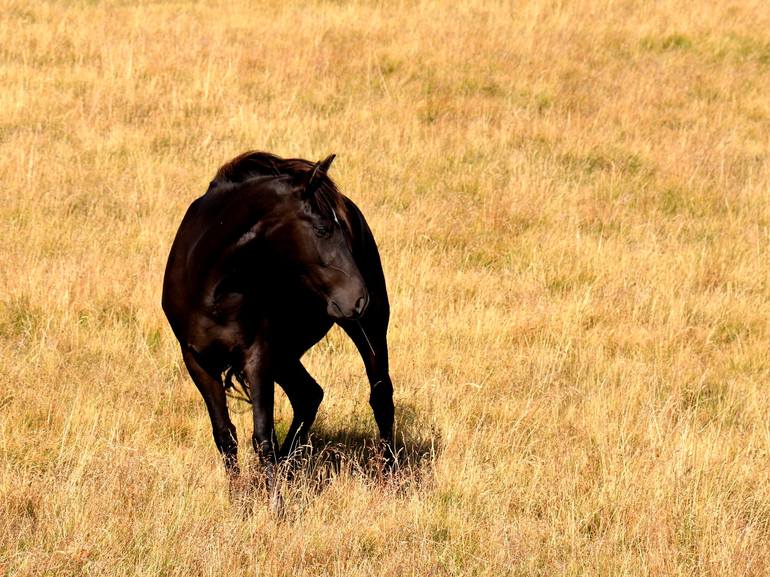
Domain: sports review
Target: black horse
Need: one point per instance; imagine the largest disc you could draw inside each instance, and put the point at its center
(262, 266)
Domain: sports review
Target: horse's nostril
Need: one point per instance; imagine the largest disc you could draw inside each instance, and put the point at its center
(360, 304)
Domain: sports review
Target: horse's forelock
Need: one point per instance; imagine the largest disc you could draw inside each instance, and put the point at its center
(331, 205)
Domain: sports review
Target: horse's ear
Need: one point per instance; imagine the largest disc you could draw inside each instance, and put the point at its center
(314, 177)
(326, 163)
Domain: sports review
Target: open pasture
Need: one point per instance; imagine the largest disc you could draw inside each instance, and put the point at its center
(572, 204)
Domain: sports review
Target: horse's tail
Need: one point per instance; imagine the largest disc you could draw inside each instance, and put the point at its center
(243, 394)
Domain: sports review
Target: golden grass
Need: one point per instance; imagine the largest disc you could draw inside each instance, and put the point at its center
(572, 201)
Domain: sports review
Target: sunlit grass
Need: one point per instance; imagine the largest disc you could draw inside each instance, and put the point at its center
(572, 202)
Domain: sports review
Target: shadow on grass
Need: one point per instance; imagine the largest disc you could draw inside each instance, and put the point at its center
(356, 451)
(333, 453)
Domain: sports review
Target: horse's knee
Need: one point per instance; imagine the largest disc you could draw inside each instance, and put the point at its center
(381, 401)
(381, 393)
(305, 400)
(314, 397)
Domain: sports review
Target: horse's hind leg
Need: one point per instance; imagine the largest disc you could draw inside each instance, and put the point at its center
(370, 337)
(305, 396)
(210, 386)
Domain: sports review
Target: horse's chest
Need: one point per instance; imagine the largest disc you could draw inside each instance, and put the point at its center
(296, 333)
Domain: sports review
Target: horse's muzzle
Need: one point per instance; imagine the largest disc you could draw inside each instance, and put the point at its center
(348, 311)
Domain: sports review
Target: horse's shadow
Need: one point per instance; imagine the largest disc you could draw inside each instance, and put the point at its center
(353, 452)
(358, 453)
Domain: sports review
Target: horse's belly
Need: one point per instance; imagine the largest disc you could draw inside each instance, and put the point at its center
(230, 328)
(206, 334)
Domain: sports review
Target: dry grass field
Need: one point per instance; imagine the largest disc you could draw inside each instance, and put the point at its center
(572, 202)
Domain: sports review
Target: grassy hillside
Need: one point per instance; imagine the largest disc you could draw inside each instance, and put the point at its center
(572, 202)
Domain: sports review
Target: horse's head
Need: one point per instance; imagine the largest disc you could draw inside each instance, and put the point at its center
(310, 235)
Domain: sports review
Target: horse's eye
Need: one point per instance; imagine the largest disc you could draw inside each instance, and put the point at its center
(322, 231)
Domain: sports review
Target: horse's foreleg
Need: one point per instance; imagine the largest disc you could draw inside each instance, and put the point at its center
(305, 396)
(210, 386)
(370, 337)
(381, 401)
(260, 381)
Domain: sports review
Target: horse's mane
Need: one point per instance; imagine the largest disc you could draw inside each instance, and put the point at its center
(255, 163)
